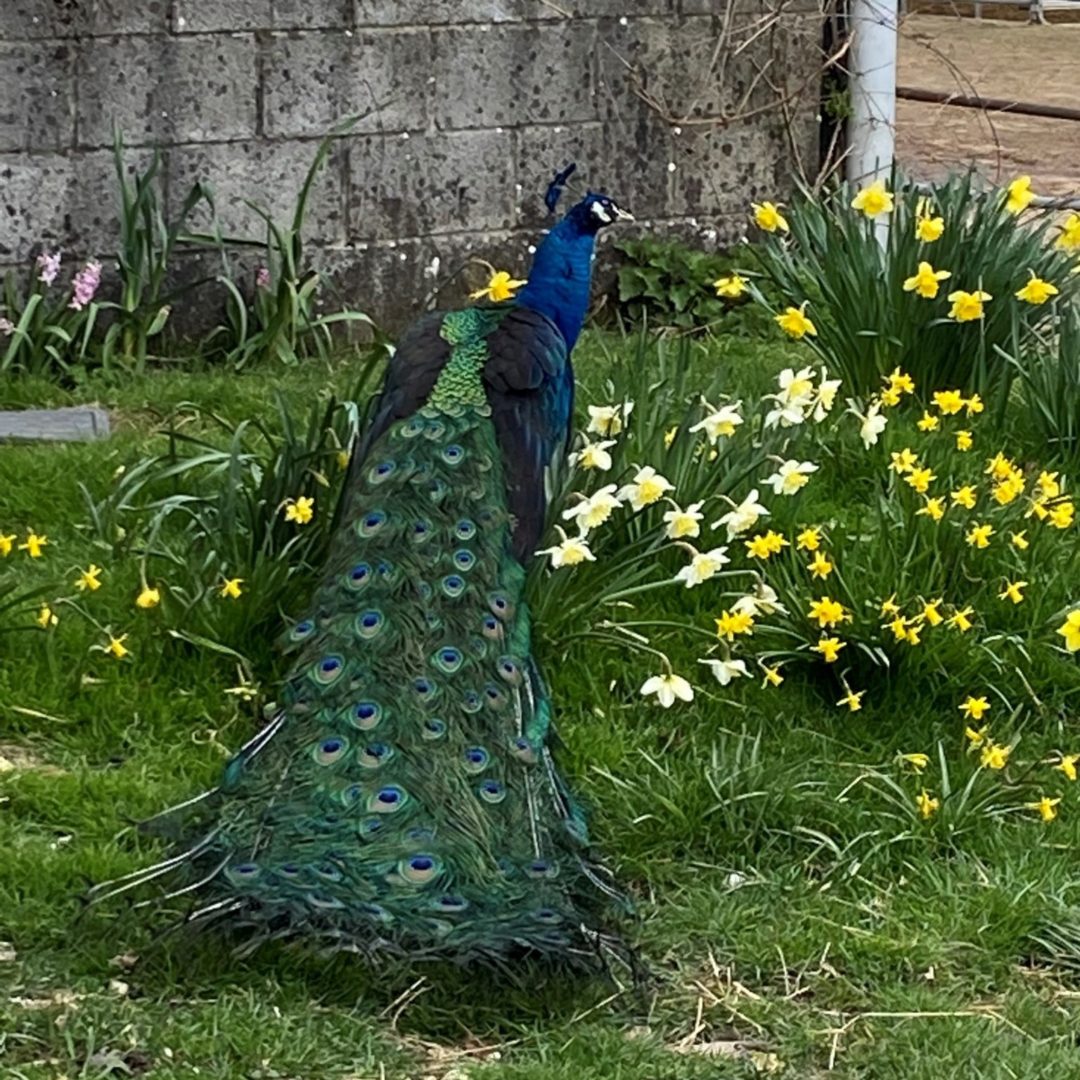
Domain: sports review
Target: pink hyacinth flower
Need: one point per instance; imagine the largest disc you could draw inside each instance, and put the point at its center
(262, 278)
(85, 285)
(49, 265)
(7, 327)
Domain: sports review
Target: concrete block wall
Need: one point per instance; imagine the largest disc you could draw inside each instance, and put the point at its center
(470, 105)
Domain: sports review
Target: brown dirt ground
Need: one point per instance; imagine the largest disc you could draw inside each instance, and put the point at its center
(992, 59)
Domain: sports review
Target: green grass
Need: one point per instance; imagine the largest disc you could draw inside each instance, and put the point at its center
(786, 904)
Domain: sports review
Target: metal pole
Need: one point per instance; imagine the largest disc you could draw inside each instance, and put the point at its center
(872, 127)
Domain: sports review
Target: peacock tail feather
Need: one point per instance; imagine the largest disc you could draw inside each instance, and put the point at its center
(404, 799)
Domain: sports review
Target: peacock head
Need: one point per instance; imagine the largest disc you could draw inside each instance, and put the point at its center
(596, 211)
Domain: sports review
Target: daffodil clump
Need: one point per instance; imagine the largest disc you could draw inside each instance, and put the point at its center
(963, 274)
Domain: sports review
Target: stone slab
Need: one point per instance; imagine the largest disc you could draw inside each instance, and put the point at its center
(313, 80)
(37, 91)
(543, 75)
(167, 89)
(127, 16)
(199, 16)
(76, 424)
(311, 14)
(414, 185)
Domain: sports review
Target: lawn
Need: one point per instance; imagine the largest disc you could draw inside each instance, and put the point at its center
(794, 922)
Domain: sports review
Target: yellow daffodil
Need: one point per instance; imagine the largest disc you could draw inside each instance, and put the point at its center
(1062, 515)
(231, 588)
(974, 405)
(903, 460)
(874, 199)
(764, 545)
(974, 708)
(926, 281)
(964, 441)
(7, 544)
(930, 612)
(1070, 631)
(732, 286)
(34, 544)
(899, 628)
(901, 380)
(808, 540)
(1046, 808)
(918, 762)
(343, 459)
(889, 397)
(928, 422)
(772, 676)
(1069, 238)
(47, 617)
(976, 738)
(827, 612)
(890, 607)
(995, 756)
(733, 623)
(1048, 485)
(89, 580)
(795, 323)
(300, 510)
(117, 647)
(1067, 765)
(1000, 467)
(965, 496)
(968, 306)
(820, 567)
(1019, 540)
(949, 402)
(1019, 195)
(926, 805)
(933, 508)
(148, 598)
(852, 699)
(669, 436)
(929, 229)
(979, 535)
(501, 286)
(1014, 591)
(829, 649)
(920, 479)
(1036, 291)
(961, 620)
(768, 217)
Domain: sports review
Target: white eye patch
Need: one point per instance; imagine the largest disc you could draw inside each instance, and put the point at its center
(601, 212)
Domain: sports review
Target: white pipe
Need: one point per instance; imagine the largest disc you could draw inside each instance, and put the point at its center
(872, 127)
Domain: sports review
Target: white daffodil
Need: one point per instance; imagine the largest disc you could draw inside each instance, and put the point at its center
(593, 455)
(873, 423)
(762, 601)
(572, 551)
(702, 566)
(742, 517)
(647, 487)
(826, 396)
(667, 688)
(726, 670)
(720, 423)
(791, 476)
(595, 510)
(680, 523)
(608, 420)
(795, 399)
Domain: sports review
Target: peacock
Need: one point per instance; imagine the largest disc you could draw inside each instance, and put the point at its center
(403, 799)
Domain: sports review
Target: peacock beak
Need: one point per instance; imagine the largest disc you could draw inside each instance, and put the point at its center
(621, 214)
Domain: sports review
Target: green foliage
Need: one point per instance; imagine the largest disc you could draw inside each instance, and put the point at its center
(1049, 371)
(867, 324)
(667, 284)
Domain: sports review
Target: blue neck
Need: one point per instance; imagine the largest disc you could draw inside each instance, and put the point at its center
(560, 277)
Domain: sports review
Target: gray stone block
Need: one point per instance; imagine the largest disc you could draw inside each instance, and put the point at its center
(24, 20)
(78, 423)
(311, 14)
(722, 170)
(532, 73)
(182, 89)
(33, 202)
(197, 16)
(457, 12)
(269, 175)
(444, 182)
(36, 96)
(129, 16)
(313, 80)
